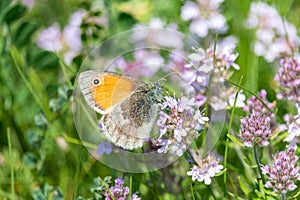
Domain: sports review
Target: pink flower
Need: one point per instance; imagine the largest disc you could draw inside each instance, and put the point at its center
(204, 15)
(66, 42)
(255, 129)
(283, 172)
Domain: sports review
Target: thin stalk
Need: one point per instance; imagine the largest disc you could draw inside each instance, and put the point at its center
(130, 186)
(241, 87)
(283, 196)
(192, 190)
(106, 188)
(256, 156)
(64, 70)
(12, 175)
(46, 112)
(227, 138)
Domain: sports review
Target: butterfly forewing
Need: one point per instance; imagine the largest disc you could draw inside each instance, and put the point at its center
(111, 90)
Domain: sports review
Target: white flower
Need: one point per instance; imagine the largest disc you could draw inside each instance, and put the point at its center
(205, 168)
(240, 101)
(178, 148)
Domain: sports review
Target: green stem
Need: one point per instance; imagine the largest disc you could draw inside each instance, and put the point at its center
(46, 112)
(227, 139)
(12, 176)
(130, 186)
(256, 157)
(283, 196)
(241, 87)
(192, 190)
(64, 70)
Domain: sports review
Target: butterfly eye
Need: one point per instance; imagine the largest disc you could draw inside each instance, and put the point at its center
(96, 81)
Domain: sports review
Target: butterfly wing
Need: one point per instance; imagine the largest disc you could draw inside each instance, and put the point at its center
(130, 122)
(104, 90)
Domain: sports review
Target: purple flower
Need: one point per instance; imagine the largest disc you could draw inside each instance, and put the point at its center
(204, 16)
(205, 168)
(283, 172)
(201, 68)
(255, 129)
(255, 106)
(289, 80)
(104, 148)
(119, 192)
(28, 3)
(66, 42)
(156, 34)
(293, 127)
(271, 41)
(179, 122)
(145, 63)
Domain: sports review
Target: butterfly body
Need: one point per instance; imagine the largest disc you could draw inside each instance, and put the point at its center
(129, 106)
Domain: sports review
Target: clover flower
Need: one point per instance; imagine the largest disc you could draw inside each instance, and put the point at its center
(201, 67)
(289, 79)
(283, 172)
(255, 129)
(271, 31)
(293, 126)
(205, 168)
(67, 41)
(179, 122)
(255, 106)
(204, 15)
(119, 192)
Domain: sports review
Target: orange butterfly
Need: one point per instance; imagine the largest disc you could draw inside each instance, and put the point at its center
(129, 106)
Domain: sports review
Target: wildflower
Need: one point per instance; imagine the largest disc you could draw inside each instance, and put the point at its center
(28, 3)
(119, 192)
(155, 33)
(271, 32)
(205, 168)
(105, 148)
(283, 172)
(67, 41)
(255, 129)
(145, 63)
(201, 68)
(239, 101)
(204, 15)
(293, 126)
(256, 106)
(289, 79)
(179, 122)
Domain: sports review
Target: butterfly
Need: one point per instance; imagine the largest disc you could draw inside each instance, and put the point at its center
(128, 106)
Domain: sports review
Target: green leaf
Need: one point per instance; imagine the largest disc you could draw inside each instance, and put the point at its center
(234, 139)
(15, 13)
(30, 160)
(38, 195)
(3, 5)
(242, 186)
(23, 34)
(17, 56)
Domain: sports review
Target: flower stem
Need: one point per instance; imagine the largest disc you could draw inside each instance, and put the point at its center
(283, 196)
(227, 138)
(192, 190)
(12, 176)
(256, 156)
